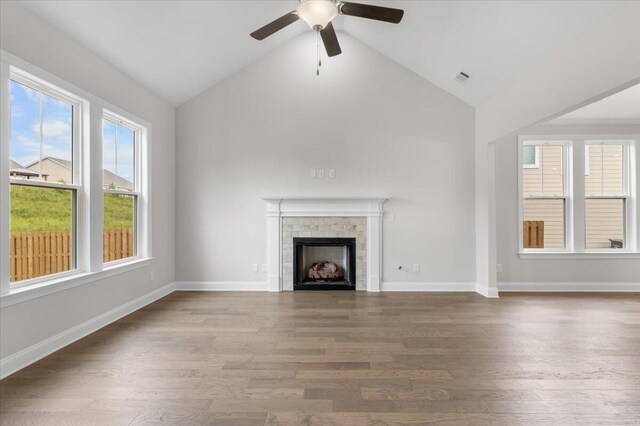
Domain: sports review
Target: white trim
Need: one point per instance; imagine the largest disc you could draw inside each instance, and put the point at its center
(42, 184)
(5, 230)
(595, 287)
(222, 286)
(604, 254)
(428, 286)
(390, 286)
(40, 289)
(489, 293)
(25, 357)
(279, 207)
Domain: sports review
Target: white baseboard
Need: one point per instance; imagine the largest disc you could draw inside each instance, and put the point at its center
(595, 287)
(488, 292)
(25, 357)
(427, 286)
(222, 286)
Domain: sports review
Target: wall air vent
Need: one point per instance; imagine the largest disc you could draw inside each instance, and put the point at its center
(462, 77)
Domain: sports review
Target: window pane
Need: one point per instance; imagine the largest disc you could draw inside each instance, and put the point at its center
(56, 140)
(551, 214)
(529, 155)
(40, 130)
(547, 179)
(118, 156)
(24, 144)
(41, 238)
(606, 170)
(604, 223)
(119, 226)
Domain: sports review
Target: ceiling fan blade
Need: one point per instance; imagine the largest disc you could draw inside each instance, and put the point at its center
(275, 26)
(378, 13)
(330, 40)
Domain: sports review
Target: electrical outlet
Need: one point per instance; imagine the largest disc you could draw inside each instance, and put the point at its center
(416, 267)
(312, 173)
(320, 173)
(499, 268)
(254, 267)
(391, 217)
(332, 173)
(263, 268)
(152, 275)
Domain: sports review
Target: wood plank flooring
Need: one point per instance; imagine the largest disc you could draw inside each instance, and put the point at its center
(345, 358)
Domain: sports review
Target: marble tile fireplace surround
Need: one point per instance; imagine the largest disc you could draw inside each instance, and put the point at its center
(359, 218)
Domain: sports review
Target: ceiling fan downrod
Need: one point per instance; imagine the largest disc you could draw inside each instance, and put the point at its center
(318, 50)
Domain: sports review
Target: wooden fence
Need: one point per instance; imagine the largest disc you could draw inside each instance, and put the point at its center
(34, 254)
(533, 233)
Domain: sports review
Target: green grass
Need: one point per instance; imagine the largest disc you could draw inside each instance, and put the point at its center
(39, 209)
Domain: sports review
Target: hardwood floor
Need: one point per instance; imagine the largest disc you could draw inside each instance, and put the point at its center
(342, 358)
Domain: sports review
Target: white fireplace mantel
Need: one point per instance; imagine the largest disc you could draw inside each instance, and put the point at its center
(369, 207)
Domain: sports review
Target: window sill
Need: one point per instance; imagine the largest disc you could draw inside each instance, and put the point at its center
(611, 254)
(22, 294)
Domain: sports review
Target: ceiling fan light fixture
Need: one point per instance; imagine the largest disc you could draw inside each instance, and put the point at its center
(317, 13)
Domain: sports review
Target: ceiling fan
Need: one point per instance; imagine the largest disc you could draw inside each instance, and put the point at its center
(318, 14)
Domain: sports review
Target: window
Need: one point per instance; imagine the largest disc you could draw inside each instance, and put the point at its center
(544, 196)
(120, 200)
(606, 196)
(580, 197)
(59, 177)
(44, 180)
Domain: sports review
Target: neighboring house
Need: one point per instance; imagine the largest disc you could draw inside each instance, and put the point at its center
(59, 170)
(603, 174)
(17, 171)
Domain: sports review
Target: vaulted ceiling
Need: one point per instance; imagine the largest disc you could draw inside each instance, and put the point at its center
(180, 48)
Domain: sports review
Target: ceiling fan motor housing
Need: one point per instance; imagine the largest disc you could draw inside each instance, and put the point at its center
(317, 13)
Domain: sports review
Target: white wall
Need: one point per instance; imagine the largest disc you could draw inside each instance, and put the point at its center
(31, 39)
(384, 129)
(515, 269)
(603, 59)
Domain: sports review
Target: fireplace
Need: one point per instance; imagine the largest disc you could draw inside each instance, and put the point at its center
(324, 263)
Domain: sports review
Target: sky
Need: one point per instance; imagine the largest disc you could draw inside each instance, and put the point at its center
(57, 136)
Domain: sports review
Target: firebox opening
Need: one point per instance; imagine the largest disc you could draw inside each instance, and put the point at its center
(324, 263)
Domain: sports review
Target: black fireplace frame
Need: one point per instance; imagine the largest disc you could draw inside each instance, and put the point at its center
(349, 281)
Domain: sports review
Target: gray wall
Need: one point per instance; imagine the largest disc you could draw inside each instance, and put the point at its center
(31, 39)
(384, 129)
(515, 269)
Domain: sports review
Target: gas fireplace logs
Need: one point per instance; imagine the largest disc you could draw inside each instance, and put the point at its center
(324, 270)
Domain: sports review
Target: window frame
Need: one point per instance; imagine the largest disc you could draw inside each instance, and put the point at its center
(138, 130)
(567, 150)
(575, 165)
(77, 103)
(627, 166)
(89, 264)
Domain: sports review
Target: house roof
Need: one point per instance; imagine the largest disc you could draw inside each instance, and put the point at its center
(16, 168)
(63, 163)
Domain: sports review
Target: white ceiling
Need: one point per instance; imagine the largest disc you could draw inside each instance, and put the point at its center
(623, 106)
(180, 48)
